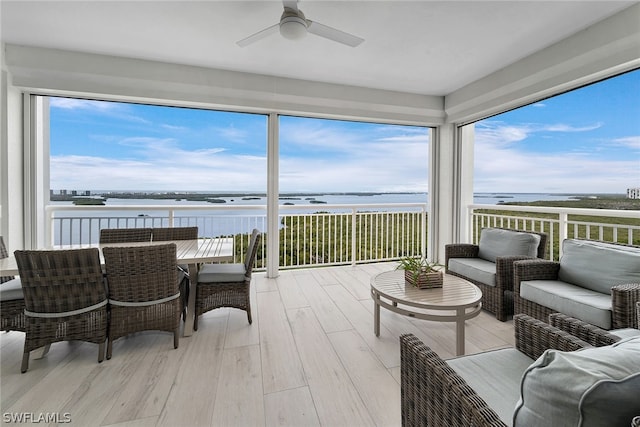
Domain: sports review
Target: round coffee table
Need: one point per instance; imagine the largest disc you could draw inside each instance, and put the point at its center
(456, 301)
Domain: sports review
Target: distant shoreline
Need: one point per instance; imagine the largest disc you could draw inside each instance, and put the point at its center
(600, 201)
(200, 196)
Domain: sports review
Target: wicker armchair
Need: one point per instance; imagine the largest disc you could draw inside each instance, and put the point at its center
(11, 299)
(623, 297)
(226, 285)
(434, 394)
(124, 235)
(496, 299)
(143, 291)
(65, 298)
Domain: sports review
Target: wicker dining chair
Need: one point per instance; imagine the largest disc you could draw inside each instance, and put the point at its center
(65, 298)
(227, 285)
(11, 299)
(143, 290)
(163, 234)
(124, 235)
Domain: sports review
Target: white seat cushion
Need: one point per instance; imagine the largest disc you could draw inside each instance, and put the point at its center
(476, 269)
(11, 290)
(495, 376)
(221, 273)
(575, 301)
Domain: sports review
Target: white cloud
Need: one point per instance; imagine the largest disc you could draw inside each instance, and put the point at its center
(632, 142)
(561, 127)
(505, 167)
(106, 109)
(81, 104)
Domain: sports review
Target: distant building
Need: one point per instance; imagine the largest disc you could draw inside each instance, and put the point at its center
(633, 193)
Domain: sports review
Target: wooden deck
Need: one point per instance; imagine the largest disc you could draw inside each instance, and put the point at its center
(310, 358)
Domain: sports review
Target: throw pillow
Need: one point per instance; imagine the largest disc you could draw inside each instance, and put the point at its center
(593, 387)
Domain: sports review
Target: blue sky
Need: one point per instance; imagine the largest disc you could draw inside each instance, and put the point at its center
(585, 141)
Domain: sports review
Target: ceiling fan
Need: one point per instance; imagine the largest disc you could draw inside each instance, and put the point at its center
(293, 25)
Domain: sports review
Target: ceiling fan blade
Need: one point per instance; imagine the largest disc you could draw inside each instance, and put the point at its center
(333, 34)
(290, 4)
(258, 36)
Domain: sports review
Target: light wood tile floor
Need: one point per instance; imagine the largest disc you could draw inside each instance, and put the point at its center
(309, 359)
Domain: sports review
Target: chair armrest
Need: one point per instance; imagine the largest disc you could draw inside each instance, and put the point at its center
(534, 336)
(505, 271)
(623, 302)
(586, 331)
(432, 392)
(534, 269)
(460, 250)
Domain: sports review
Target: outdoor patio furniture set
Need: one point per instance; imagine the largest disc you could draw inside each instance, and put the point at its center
(577, 355)
(551, 378)
(71, 294)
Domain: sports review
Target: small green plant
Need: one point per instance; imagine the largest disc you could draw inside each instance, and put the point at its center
(416, 266)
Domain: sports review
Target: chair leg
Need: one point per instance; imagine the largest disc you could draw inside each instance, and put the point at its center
(195, 322)
(101, 352)
(249, 314)
(109, 348)
(176, 337)
(25, 362)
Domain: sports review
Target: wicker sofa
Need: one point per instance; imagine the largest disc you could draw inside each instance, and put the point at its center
(596, 282)
(489, 264)
(523, 386)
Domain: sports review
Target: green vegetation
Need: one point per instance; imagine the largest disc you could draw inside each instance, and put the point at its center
(88, 201)
(322, 238)
(587, 202)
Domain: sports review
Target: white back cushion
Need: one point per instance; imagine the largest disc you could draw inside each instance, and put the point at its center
(495, 242)
(598, 266)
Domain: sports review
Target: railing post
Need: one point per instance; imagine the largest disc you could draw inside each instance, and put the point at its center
(563, 231)
(171, 217)
(49, 230)
(353, 236)
(423, 233)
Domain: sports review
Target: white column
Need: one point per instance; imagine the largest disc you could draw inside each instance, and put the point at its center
(273, 229)
(464, 176)
(442, 218)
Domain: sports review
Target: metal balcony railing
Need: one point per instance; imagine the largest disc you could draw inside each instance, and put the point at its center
(322, 235)
(617, 226)
(338, 235)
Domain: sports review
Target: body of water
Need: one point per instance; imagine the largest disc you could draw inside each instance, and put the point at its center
(318, 200)
(225, 222)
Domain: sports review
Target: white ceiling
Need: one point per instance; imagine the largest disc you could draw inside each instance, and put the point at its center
(424, 47)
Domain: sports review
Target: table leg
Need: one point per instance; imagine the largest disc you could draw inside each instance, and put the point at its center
(460, 332)
(376, 315)
(191, 304)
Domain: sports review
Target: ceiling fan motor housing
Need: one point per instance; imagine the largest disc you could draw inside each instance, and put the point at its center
(293, 24)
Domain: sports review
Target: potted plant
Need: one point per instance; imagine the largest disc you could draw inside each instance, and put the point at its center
(421, 273)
